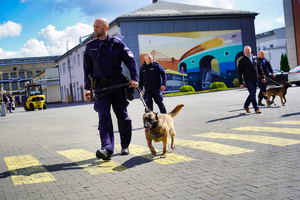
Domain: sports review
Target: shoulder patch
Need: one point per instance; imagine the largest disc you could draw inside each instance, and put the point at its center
(130, 54)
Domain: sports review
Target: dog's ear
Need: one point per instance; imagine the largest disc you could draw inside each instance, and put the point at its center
(156, 117)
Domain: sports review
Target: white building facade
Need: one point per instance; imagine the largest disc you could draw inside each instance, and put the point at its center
(273, 43)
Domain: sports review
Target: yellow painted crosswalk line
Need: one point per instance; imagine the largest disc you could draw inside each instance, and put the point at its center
(88, 161)
(252, 138)
(286, 122)
(269, 129)
(144, 152)
(221, 149)
(26, 169)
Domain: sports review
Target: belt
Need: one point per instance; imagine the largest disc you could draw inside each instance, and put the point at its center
(109, 80)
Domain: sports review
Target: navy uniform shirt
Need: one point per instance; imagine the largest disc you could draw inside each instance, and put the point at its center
(152, 76)
(103, 59)
(266, 66)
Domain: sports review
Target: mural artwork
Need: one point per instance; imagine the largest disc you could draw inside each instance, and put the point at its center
(195, 58)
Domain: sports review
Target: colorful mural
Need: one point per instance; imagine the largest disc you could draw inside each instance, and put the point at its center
(204, 57)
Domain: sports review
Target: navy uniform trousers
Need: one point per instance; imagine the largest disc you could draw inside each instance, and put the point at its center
(156, 94)
(116, 100)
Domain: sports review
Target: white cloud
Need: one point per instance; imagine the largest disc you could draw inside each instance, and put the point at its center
(10, 29)
(55, 40)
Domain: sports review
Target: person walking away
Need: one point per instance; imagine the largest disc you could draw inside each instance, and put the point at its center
(267, 69)
(154, 78)
(103, 59)
(10, 102)
(248, 71)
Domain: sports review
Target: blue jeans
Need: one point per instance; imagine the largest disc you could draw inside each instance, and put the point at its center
(251, 86)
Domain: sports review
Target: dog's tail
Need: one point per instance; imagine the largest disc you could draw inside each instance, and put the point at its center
(176, 110)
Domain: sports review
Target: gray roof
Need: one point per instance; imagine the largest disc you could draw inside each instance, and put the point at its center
(165, 9)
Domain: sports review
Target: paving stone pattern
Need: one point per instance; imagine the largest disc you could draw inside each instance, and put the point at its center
(221, 152)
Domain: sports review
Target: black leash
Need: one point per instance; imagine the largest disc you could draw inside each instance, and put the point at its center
(272, 80)
(141, 98)
(114, 87)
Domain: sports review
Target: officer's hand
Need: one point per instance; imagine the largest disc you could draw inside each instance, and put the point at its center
(242, 86)
(133, 84)
(263, 80)
(141, 93)
(163, 88)
(87, 94)
(273, 75)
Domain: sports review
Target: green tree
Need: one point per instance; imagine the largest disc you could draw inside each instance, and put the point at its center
(284, 63)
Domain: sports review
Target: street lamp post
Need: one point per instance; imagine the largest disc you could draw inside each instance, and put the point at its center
(70, 85)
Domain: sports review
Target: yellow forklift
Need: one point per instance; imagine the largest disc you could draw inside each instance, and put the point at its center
(34, 98)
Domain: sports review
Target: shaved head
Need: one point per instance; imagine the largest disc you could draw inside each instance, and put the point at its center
(100, 28)
(148, 58)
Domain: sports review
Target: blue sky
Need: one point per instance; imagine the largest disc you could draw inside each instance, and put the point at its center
(42, 27)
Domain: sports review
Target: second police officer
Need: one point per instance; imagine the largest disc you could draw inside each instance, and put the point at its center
(154, 78)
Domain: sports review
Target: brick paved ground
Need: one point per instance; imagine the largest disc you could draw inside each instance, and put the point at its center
(222, 153)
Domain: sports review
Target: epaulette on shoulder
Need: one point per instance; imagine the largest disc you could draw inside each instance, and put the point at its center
(91, 41)
(118, 38)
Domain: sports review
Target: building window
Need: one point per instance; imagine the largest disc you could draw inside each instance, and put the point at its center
(74, 60)
(5, 76)
(21, 74)
(6, 86)
(78, 60)
(22, 84)
(29, 74)
(13, 75)
(64, 68)
(14, 86)
(38, 71)
(271, 45)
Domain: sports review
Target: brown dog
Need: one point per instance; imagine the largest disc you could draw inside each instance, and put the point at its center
(280, 91)
(158, 126)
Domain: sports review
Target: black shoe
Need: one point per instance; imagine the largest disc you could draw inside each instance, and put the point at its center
(103, 154)
(270, 102)
(261, 104)
(124, 151)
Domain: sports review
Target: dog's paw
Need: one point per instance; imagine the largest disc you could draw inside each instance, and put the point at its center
(173, 146)
(153, 153)
(163, 156)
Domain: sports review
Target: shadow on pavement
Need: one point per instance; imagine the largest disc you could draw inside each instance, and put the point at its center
(224, 118)
(292, 114)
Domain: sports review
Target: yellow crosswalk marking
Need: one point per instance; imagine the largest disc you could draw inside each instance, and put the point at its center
(269, 129)
(221, 149)
(286, 122)
(144, 152)
(88, 161)
(26, 169)
(252, 138)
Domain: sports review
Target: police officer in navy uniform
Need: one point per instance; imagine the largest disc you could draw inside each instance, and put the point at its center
(154, 78)
(267, 69)
(102, 59)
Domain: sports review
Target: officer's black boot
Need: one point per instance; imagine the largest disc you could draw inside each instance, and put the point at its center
(260, 103)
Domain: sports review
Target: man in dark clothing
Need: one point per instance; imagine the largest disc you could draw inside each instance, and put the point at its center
(248, 70)
(5, 99)
(154, 78)
(10, 101)
(103, 59)
(267, 69)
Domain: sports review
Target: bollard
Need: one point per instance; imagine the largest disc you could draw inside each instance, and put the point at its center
(3, 109)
